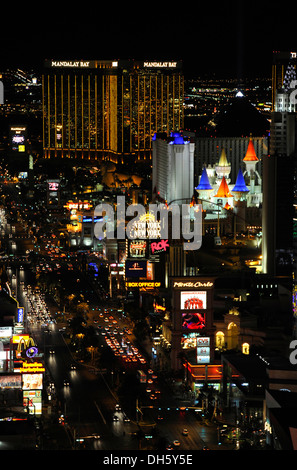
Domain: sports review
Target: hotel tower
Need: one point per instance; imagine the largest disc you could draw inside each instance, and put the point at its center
(106, 109)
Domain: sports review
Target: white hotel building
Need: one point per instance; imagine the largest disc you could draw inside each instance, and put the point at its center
(173, 168)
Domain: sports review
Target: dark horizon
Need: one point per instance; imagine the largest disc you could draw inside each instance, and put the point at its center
(236, 39)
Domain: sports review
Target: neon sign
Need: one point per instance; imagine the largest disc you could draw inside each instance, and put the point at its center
(20, 314)
(160, 64)
(31, 352)
(70, 63)
(181, 285)
(159, 307)
(145, 227)
(78, 205)
(143, 284)
(162, 245)
(32, 367)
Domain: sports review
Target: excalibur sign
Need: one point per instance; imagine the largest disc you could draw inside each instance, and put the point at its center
(186, 222)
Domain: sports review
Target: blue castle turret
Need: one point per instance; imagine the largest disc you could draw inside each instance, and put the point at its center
(204, 182)
(240, 186)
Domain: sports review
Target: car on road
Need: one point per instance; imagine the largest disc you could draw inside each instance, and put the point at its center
(176, 443)
(185, 432)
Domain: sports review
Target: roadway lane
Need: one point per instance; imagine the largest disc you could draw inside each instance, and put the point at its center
(87, 403)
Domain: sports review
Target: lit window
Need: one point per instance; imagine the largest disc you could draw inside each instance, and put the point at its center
(245, 348)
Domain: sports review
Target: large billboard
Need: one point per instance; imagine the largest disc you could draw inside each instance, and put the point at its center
(135, 269)
(5, 332)
(32, 400)
(11, 381)
(137, 248)
(18, 138)
(193, 320)
(53, 192)
(193, 300)
(32, 381)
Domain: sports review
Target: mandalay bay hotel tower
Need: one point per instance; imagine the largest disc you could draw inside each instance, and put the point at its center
(106, 109)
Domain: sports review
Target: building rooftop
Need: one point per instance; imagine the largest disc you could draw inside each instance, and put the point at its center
(223, 190)
(204, 182)
(240, 185)
(250, 155)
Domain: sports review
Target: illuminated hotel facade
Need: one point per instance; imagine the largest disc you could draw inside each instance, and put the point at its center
(108, 109)
(280, 62)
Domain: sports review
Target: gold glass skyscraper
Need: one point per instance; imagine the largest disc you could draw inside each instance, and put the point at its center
(108, 109)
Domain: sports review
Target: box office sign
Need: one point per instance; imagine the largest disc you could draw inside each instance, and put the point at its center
(143, 285)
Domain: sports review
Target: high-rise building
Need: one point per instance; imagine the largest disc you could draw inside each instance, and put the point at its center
(108, 109)
(173, 168)
(280, 63)
(278, 179)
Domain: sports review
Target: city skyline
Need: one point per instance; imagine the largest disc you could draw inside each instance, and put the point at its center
(148, 246)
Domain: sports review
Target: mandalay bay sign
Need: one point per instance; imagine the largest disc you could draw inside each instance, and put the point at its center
(134, 221)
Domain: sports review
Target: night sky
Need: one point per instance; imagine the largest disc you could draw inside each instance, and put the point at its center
(228, 39)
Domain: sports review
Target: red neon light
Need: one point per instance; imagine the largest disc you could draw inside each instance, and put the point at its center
(158, 246)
